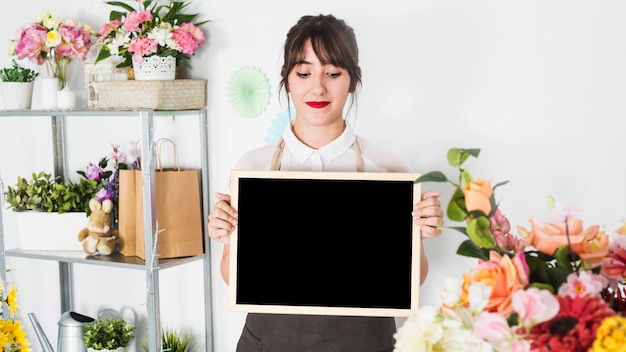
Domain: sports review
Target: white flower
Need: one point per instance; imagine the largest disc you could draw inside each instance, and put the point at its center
(478, 295)
(452, 292)
(428, 331)
(121, 40)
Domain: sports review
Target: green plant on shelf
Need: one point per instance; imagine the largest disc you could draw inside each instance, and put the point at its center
(42, 192)
(109, 333)
(173, 341)
(17, 73)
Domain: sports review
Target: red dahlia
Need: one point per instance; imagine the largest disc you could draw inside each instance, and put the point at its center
(573, 329)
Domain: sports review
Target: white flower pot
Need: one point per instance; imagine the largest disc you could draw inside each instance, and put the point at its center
(66, 99)
(155, 68)
(17, 95)
(39, 230)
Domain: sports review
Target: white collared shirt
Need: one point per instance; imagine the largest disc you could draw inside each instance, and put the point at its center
(338, 155)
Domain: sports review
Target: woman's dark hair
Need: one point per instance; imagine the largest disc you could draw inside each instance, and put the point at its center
(333, 42)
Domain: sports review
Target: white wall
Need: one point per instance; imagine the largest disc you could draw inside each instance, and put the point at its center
(538, 85)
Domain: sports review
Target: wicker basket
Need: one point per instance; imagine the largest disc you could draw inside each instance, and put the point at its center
(178, 94)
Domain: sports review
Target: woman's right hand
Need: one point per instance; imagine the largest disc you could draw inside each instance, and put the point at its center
(222, 219)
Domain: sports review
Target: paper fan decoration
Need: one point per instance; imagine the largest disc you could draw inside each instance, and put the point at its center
(248, 91)
(275, 131)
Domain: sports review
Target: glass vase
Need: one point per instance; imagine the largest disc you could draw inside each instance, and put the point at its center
(56, 66)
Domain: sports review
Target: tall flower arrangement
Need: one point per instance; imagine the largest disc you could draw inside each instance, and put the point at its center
(557, 286)
(54, 42)
(106, 177)
(12, 333)
(153, 28)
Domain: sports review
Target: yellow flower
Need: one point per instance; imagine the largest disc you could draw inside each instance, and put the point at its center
(12, 300)
(611, 335)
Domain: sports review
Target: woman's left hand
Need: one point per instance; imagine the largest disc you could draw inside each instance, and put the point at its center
(428, 215)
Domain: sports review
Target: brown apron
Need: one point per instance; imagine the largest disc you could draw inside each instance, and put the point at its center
(316, 333)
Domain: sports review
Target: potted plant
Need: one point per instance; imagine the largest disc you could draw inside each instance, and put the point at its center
(44, 193)
(17, 86)
(152, 31)
(49, 214)
(173, 341)
(108, 334)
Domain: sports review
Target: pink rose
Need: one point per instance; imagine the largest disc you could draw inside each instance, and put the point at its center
(134, 20)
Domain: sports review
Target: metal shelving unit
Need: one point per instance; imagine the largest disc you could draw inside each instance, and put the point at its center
(151, 265)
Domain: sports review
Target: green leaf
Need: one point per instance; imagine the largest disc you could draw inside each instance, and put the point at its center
(469, 249)
(456, 156)
(456, 207)
(477, 232)
(542, 286)
(433, 176)
(564, 258)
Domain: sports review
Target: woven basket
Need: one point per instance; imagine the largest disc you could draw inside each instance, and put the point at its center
(178, 94)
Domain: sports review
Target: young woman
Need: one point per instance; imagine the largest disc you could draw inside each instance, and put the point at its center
(320, 72)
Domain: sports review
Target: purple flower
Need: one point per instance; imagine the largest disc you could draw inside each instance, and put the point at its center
(94, 172)
(102, 195)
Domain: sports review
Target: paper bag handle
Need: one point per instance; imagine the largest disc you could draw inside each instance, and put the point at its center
(158, 152)
(157, 145)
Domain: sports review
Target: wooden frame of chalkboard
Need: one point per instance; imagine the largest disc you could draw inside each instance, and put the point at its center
(324, 243)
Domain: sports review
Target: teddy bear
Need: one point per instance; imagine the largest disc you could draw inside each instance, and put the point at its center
(98, 237)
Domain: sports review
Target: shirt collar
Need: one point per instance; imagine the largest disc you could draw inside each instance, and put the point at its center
(330, 151)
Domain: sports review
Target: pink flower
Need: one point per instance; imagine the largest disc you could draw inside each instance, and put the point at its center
(30, 43)
(134, 20)
(491, 327)
(614, 265)
(188, 37)
(584, 283)
(142, 47)
(534, 306)
(500, 229)
(107, 29)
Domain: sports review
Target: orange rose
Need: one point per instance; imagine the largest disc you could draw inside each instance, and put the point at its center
(478, 195)
(504, 275)
(589, 243)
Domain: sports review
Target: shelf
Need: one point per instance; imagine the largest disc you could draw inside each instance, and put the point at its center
(114, 260)
(151, 265)
(91, 112)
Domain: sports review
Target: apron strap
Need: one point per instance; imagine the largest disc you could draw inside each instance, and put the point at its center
(278, 154)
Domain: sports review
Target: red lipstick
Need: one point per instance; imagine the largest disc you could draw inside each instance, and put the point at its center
(317, 104)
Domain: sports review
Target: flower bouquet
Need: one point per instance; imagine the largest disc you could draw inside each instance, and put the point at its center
(105, 179)
(152, 29)
(52, 41)
(558, 286)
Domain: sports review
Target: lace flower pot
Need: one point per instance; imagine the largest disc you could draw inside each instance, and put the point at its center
(155, 68)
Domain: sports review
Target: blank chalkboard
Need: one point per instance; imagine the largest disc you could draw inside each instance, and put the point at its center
(332, 243)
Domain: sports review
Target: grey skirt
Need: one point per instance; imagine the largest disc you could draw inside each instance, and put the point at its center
(303, 333)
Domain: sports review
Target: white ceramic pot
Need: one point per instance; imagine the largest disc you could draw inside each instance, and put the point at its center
(17, 95)
(155, 68)
(40, 230)
(66, 99)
